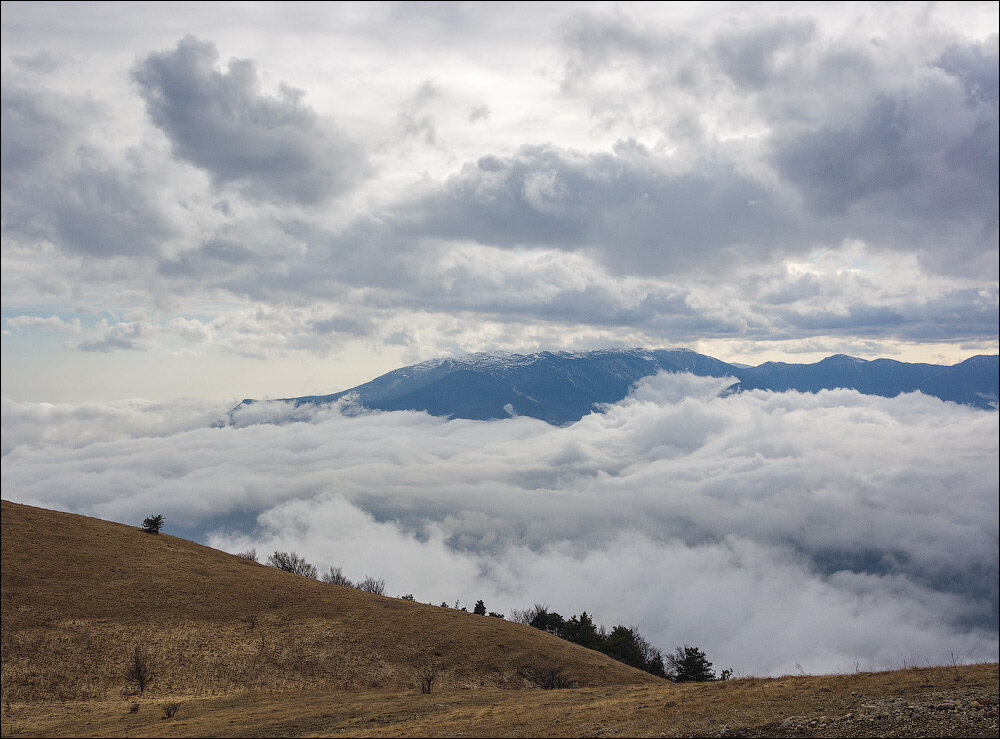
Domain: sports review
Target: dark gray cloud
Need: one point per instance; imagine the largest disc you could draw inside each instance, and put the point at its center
(269, 147)
(751, 57)
(41, 62)
(874, 145)
(625, 208)
(976, 66)
(38, 125)
(904, 178)
(58, 188)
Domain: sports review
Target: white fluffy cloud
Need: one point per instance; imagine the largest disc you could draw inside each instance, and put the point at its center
(771, 529)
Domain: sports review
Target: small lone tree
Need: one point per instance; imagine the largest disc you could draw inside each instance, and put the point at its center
(689, 664)
(139, 670)
(427, 678)
(480, 609)
(291, 562)
(152, 524)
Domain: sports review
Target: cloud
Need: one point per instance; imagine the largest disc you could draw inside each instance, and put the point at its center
(60, 188)
(41, 62)
(123, 335)
(80, 425)
(191, 330)
(860, 529)
(52, 323)
(918, 169)
(889, 138)
(269, 147)
(626, 208)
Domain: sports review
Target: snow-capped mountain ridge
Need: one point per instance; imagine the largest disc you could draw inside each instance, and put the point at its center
(561, 387)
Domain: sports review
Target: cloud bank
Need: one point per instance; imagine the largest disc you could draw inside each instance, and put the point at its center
(828, 530)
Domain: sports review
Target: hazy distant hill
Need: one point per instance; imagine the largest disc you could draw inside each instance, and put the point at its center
(562, 387)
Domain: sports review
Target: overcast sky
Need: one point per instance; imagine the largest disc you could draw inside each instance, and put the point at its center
(230, 200)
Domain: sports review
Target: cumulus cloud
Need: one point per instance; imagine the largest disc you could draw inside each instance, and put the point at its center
(859, 529)
(59, 188)
(52, 323)
(269, 147)
(123, 335)
(625, 207)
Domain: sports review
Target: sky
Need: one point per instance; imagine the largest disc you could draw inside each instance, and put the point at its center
(266, 200)
(206, 202)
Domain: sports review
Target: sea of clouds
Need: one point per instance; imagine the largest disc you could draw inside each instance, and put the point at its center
(778, 531)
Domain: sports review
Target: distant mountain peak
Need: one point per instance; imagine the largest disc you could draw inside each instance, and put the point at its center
(563, 386)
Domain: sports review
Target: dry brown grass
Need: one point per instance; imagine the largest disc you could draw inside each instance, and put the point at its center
(749, 706)
(78, 593)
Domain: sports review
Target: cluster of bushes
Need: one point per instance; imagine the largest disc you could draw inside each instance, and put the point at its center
(623, 643)
(297, 565)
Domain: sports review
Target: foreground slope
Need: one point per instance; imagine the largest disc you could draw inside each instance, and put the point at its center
(940, 701)
(80, 593)
(240, 649)
(562, 387)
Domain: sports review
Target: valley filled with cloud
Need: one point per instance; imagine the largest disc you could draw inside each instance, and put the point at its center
(778, 531)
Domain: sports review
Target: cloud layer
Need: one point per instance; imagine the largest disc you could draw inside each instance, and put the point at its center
(771, 529)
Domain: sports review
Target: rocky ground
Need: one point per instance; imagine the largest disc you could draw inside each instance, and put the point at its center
(970, 712)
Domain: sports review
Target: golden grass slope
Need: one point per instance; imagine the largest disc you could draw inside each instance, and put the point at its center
(241, 649)
(79, 593)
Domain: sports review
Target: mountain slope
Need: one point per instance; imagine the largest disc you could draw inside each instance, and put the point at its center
(562, 387)
(79, 593)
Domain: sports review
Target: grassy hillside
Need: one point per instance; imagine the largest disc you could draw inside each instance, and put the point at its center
(240, 649)
(79, 593)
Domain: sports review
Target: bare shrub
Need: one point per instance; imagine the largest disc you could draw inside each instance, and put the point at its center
(170, 709)
(371, 585)
(549, 678)
(249, 554)
(336, 576)
(427, 679)
(251, 620)
(139, 669)
(527, 615)
(292, 562)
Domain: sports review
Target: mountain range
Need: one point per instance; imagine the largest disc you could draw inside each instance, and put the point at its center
(562, 387)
